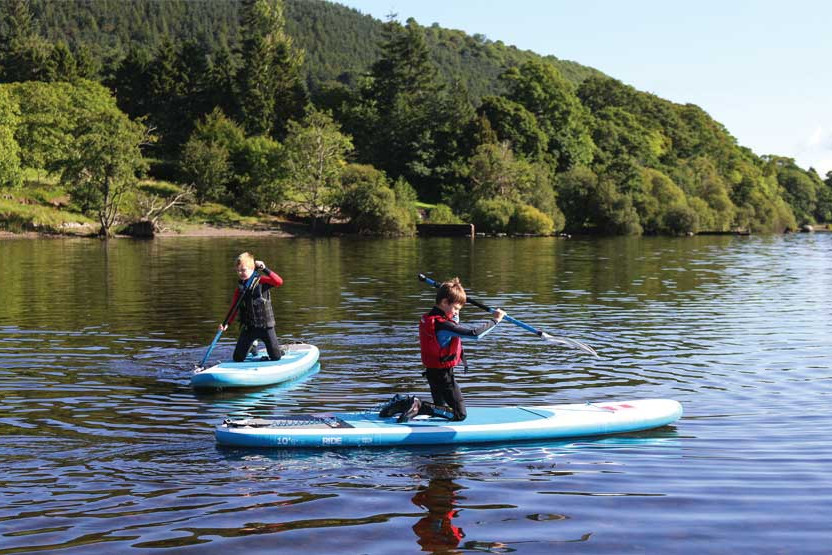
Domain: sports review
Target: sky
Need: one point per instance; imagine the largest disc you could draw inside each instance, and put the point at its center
(761, 68)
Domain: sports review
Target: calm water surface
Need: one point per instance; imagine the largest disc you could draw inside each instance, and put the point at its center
(105, 448)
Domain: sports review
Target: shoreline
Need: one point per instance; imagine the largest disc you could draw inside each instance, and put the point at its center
(208, 230)
(202, 230)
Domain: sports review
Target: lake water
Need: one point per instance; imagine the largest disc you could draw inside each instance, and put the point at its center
(106, 449)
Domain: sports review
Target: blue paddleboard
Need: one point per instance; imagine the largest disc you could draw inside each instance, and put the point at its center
(361, 429)
(252, 372)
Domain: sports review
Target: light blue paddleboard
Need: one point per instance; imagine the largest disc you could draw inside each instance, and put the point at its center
(252, 372)
(361, 429)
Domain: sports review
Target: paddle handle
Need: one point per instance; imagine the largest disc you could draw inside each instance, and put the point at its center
(426, 279)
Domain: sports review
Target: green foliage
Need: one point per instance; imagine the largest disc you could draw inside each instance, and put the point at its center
(372, 206)
(442, 214)
(269, 81)
(259, 173)
(495, 173)
(102, 164)
(541, 90)
(657, 196)
(492, 216)
(10, 174)
(680, 219)
(206, 160)
(529, 220)
(592, 204)
(50, 114)
(405, 119)
(621, 160)
(800, 190)
(515, 124)
(315, 158)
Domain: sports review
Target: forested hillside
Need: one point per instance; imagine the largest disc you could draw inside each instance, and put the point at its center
(307, 108)
(339, 42)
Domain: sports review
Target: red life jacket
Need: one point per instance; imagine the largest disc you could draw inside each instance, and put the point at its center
(433, 355)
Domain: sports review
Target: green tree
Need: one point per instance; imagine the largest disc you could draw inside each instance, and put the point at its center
(496, 173)
(316, 153)
(492, 215)
(10, 174)
(514, 123)
(658, 195)
(442, 214)
(800, 189)
(528, 219)
(593, 204)
(207, 160)
(407, 123)
(49, 115)
(24, 54)
(259, 181)
(62, 65)
(103, 163)
(269, 80)
(372, 206)
(541, 90)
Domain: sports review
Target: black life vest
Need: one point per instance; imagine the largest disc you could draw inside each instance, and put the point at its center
(434, 355)
(256, 309)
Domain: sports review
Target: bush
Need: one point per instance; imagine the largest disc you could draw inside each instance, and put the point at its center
(442, 214)
(528, 219)
(373, 207)
(492, 216)
(680, 219)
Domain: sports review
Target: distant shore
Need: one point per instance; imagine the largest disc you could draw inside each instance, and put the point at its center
(195, 230)
(287, 230)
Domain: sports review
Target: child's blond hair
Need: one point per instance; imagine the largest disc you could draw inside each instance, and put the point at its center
(245, 260)
(451, 290)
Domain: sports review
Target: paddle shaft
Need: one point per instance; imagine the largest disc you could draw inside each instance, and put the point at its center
(250, 283)
(540, 333)
(486, 308)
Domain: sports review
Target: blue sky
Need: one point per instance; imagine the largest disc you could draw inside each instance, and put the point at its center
(761, 68)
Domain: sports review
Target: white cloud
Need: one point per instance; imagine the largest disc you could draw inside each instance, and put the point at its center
(816, 151)
(816, 139)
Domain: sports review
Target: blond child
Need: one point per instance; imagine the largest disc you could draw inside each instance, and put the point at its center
(256, 313)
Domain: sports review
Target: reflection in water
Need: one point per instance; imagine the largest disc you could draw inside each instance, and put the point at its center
(436, 530)
(106, 448)
(263, 402)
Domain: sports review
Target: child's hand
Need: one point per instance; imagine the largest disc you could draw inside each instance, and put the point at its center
(222, 328)
(259, 264)
(499, 314)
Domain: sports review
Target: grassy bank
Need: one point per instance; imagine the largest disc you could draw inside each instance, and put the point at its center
(42, 205)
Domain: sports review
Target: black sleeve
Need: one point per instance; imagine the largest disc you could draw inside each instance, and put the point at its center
(466, 331)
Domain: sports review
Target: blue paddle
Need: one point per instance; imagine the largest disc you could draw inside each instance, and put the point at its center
(565, 341)
(253, 279)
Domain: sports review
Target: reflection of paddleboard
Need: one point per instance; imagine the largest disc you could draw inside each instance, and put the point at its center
(482, 425)
(253, 371)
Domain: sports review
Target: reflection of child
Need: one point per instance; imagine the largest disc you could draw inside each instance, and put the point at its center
(436, 530)
(440, 341)
(256, 313)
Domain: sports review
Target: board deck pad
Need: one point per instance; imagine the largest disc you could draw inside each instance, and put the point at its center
(483, 424)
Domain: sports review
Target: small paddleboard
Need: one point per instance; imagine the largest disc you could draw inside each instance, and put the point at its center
(361, 429)
(254, 371)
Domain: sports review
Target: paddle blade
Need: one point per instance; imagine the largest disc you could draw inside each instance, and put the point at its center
(566, 342)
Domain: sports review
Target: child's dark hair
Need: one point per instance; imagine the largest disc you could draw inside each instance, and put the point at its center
(451, 290)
